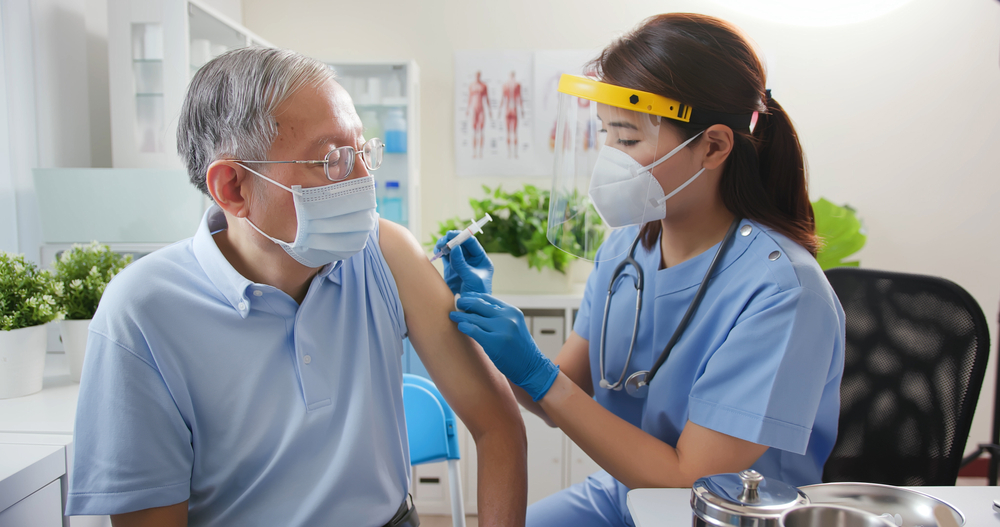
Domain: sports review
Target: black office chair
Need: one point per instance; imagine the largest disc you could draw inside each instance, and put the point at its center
(993, 449)
(915, 356)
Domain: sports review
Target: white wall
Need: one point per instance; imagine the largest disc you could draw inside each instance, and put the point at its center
(898, 115)
(55, 105)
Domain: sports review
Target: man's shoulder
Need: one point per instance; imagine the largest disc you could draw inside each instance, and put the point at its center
(160, 275)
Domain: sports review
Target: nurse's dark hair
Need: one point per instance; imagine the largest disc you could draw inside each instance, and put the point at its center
(708, 63)
(228, 112)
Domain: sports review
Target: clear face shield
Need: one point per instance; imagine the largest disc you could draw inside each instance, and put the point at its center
(608, 142)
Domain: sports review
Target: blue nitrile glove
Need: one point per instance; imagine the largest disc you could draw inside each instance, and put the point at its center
(467, 269)
(500, 329)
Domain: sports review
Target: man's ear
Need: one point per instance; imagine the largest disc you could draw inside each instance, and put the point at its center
(719, 139)
(229, 185)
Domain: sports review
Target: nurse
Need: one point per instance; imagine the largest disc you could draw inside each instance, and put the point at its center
(708, 339)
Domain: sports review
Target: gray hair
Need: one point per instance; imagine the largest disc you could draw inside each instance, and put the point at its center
(230, 104)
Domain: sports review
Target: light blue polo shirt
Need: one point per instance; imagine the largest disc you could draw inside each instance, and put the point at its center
(201, 385)
(761, 359)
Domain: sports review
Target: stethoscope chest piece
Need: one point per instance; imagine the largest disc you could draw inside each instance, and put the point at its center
(636, 385)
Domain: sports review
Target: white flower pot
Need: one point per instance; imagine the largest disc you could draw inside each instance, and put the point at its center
(74, 339)
(511, 275)
(22, 361)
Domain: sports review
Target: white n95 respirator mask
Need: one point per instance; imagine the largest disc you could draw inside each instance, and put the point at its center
(334, 221)
(625, 193)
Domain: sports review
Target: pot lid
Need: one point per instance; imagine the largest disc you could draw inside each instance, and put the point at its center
(723, 496)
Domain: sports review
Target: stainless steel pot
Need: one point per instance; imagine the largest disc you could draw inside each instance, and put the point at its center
(825, 515)
(904, 507)
(746, 499)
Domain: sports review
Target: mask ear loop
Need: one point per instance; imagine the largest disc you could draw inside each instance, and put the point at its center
(664, 199)
(262, 233)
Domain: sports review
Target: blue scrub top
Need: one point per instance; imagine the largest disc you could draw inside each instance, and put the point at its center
(761, 359)
(202, 385)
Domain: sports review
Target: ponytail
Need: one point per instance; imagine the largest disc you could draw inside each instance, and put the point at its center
(765, 178)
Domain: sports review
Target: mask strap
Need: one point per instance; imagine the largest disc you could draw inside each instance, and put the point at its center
(671, 153)
(264, 234)
(678, 189)
(268, 179)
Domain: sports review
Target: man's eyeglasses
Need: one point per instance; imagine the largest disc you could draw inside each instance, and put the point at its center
(339, 163)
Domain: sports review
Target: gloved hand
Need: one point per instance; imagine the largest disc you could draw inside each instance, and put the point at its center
(500, 329)
(467, 269)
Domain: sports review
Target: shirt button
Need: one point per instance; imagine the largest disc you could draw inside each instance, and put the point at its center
(258, 292)
(242, 306)
(307, 359)
(774, 256)
(746, 230)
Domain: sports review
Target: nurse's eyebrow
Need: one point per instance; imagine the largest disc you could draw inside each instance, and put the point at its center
(623, 124)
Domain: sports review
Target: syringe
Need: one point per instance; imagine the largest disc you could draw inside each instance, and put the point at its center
(474, 228)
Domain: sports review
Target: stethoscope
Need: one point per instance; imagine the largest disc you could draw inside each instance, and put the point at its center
(637, 384)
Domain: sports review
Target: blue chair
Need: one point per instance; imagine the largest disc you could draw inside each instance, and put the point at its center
(431, 432)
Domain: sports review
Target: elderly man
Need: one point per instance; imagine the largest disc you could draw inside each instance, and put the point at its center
(251, 375)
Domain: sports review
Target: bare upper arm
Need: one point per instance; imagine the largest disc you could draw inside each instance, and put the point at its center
(702, 451)
(175, 515)
(574, 361)
(461, 370)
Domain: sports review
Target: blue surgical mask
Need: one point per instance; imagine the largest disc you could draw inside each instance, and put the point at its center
(334, 221)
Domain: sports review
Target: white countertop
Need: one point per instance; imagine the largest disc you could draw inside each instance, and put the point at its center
(50, 411)
(672, 507)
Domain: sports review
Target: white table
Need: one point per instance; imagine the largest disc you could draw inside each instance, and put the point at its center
(36, 450)
(672, 507)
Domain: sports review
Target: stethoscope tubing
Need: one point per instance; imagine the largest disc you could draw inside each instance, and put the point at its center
(639, 390)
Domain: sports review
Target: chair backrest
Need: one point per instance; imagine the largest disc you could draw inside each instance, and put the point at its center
(915, 357)
(430, 422)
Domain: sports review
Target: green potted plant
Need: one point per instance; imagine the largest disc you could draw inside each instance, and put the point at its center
(83, 272)
(516, 242)
(27, 303)
(841, 232)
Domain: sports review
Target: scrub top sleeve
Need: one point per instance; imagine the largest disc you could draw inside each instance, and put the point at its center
(132, 446)
(764, 383)
(581, 326)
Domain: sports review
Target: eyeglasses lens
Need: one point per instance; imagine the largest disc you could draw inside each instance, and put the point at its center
(372, 152)
(339, 163)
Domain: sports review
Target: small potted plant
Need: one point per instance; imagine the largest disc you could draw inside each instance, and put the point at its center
(83, 272)
(516, 242)
(27, 302)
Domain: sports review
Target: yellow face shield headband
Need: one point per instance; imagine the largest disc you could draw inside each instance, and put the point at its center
(645, 102)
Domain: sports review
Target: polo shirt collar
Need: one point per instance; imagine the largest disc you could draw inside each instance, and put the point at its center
(230, 283)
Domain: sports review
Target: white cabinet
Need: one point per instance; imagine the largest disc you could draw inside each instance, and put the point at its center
(546, 458)
(154, 48)
(580, 464)
(386, 96)
(40, 509)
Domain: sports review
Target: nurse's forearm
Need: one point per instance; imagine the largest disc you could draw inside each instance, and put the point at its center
(502, 477)
(634, 457)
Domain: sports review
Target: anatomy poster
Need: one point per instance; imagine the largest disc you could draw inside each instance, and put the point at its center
(494, 113)
(505, 109)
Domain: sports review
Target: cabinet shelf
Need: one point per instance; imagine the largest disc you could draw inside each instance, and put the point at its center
(148, 61)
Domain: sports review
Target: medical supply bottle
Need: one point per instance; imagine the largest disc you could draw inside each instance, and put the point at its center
(391, 206)
(395, 131)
